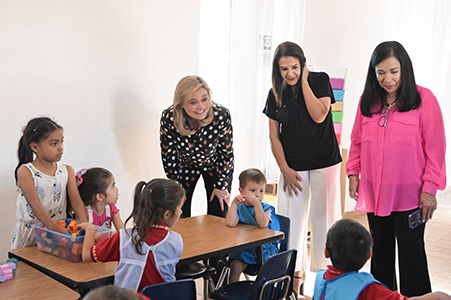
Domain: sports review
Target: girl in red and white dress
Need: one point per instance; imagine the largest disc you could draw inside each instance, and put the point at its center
(148, 252)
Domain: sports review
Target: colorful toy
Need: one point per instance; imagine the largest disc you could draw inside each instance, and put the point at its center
(15, 262)
(6, 271)
(68, 246)
(72, 227)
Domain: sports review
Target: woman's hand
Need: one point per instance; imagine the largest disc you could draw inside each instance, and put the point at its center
(291, 180)
(428, 204)
(305, 72)
(223, 196)
(354, 182)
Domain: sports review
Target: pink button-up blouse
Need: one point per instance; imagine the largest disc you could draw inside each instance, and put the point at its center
(398, 162)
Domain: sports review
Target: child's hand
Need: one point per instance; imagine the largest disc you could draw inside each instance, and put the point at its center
(61, 230)
(250, 200)
(238, 199)
(86, 226)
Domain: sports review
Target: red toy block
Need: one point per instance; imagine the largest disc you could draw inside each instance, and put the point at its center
(77, 248)
(64, 242)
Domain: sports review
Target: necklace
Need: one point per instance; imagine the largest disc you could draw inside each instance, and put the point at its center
(391, 104)
(159, 226)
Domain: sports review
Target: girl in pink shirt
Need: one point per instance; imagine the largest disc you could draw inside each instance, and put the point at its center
(396, 164)
(99, 192)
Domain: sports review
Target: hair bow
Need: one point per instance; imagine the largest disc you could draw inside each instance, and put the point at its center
(79, 176)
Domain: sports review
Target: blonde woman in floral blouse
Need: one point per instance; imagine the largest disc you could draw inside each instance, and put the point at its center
(196, 139)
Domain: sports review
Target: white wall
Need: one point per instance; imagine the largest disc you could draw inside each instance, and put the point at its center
(104, 70)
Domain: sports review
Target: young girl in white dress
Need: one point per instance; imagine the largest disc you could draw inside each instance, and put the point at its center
(44, 183)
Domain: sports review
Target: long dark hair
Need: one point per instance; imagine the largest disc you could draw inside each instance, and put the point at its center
(374, 96)
(278, 84)
(36, 130)
(150, 202)
(94, 181)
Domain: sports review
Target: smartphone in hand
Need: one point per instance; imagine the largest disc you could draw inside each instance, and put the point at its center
(415, 219)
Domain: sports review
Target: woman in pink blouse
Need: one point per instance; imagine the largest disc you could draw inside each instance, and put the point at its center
(396, 165)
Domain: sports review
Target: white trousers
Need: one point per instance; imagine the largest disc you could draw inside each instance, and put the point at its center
(320, 197)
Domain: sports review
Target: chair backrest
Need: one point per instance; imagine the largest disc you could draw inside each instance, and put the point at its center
(285, 228)
(173, 290)
(275, 278)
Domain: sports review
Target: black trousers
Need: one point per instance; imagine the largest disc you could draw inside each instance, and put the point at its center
(213, 207)
(413, 267)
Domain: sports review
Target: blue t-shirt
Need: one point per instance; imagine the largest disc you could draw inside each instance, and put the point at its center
(246, 215)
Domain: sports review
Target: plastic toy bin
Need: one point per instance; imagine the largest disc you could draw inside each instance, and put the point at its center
(65, 245)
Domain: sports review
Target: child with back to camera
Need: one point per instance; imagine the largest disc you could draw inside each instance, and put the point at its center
(248, 208)
(97, 187)
(44, 182)
(148, 252)
(348, 246)
(113, 292)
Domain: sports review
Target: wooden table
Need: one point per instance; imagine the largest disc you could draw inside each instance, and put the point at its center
(29, 283)
(203, 237)
(81, 277)
(208, 236)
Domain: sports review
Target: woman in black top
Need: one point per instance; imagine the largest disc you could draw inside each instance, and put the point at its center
(196, 139)
(305, 147)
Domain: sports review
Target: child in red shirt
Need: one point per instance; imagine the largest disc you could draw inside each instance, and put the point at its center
(348, 246)
(147, 253)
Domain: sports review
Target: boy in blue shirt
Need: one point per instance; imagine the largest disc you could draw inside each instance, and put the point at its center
(248, 208)
(348, 246)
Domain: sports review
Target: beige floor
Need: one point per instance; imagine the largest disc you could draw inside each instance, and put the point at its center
(438, 247)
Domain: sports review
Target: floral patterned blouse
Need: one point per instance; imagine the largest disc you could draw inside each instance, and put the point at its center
(209, 149)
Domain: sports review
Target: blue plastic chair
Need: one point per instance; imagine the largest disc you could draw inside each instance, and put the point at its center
(173, 290)
(285, 228)
(274, 281)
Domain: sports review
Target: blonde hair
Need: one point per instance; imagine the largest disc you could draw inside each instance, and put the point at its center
(186, 87)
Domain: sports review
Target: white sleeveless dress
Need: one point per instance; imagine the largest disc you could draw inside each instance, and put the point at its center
(52, 192)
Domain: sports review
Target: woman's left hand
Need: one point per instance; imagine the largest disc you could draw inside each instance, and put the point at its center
(428, 204)
(305, 72)
(223, 196)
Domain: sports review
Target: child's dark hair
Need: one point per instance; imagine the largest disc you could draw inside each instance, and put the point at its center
(349, 245)
(36, 130)
(150, 202)
(112, 292)
(92, 182)
(254, 175)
